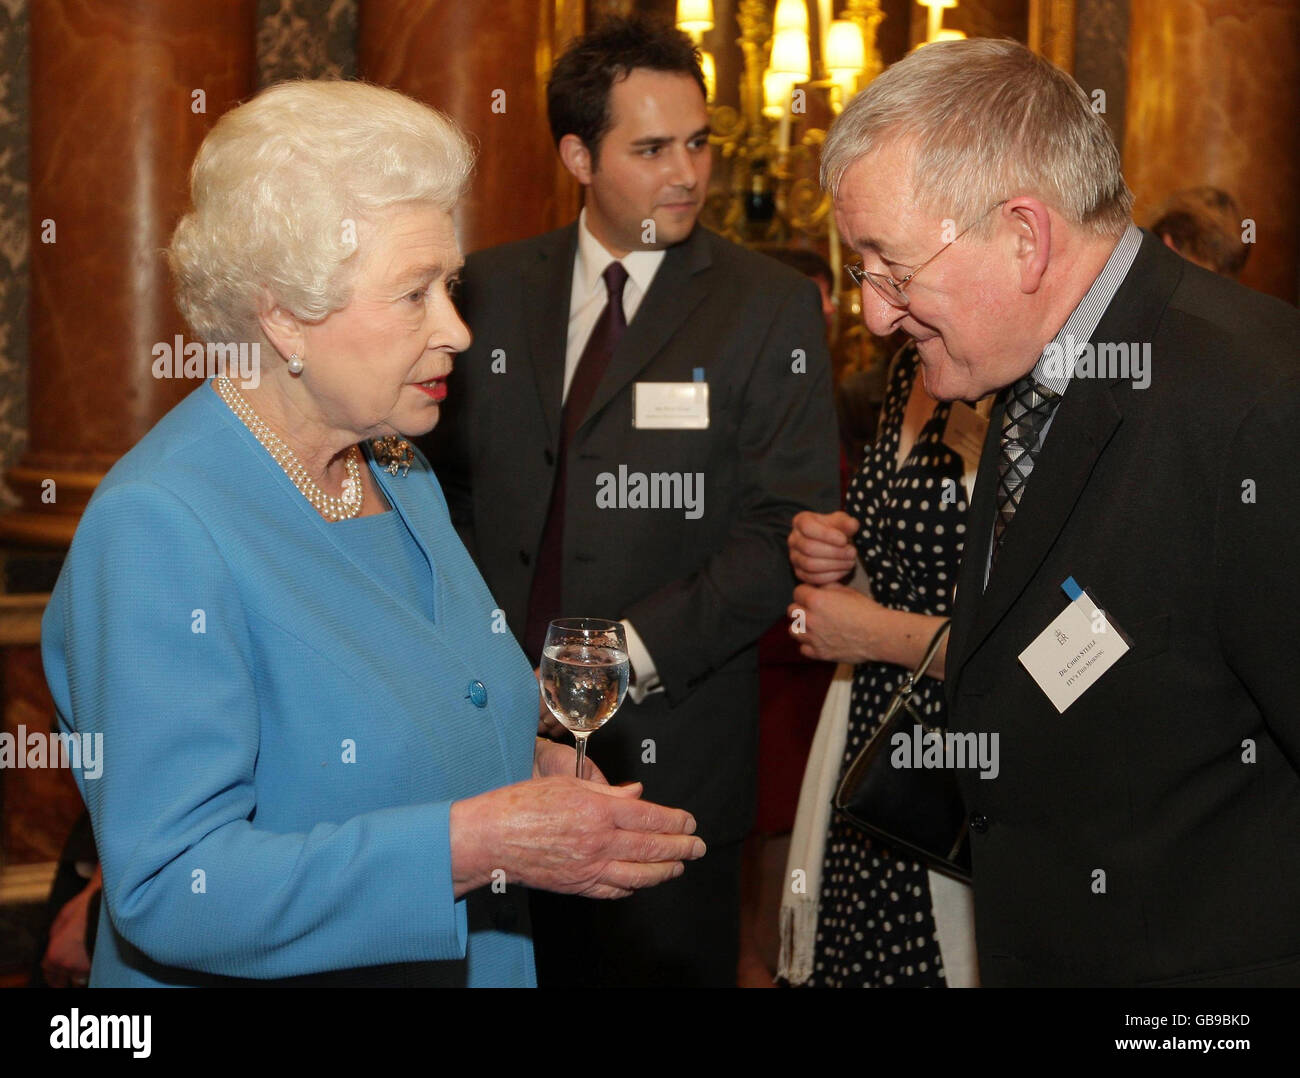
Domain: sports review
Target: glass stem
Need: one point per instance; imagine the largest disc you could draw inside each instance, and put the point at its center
(581, 740)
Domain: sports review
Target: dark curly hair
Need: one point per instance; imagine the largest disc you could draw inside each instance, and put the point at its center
(577, 93)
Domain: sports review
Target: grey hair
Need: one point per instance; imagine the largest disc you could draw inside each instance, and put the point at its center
(987, 120)
(279, 185)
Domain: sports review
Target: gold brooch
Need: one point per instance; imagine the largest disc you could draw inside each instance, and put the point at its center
(393, 453)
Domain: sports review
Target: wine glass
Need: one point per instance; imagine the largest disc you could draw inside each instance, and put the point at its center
(585, 672)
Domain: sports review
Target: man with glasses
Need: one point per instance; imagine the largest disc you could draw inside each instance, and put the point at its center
(1126, 613)
(892, 291)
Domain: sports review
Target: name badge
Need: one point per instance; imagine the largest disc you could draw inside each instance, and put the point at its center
(670, 405)
(964, 435)
(1075, 650)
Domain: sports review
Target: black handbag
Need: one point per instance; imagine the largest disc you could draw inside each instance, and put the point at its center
(913, 810)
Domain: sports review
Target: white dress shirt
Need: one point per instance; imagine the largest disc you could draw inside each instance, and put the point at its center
(586, 302)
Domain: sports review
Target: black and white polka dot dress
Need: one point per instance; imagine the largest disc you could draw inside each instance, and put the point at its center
(875, 927)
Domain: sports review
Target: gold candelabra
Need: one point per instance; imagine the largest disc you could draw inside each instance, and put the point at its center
(790, 86)
(772, 190)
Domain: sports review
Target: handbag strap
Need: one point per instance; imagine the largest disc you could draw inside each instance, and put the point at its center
(909, 682)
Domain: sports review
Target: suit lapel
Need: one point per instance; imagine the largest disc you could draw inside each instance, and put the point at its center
(1085, 421)
(548, 285)
(675, 292)
(970, 578)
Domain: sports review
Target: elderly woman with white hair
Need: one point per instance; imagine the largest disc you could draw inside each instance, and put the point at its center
(319, 758)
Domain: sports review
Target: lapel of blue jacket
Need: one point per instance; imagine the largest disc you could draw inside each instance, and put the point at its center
(548, 285)
(388, 614)
(1085, 421)
(461, 598)
(675, 292)
(383, 616)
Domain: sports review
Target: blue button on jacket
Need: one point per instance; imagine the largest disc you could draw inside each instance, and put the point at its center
(284, 731)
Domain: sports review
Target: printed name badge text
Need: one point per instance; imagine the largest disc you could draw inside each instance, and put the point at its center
(670, 405)
(1074, 651)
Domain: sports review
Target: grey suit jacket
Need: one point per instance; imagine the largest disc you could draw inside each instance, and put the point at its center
(699, 591)
(1177, 774)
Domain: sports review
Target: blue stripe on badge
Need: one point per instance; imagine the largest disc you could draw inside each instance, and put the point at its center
(697, 375)
(1071, 589)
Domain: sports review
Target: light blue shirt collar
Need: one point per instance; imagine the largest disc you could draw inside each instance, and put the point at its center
(1055, 367)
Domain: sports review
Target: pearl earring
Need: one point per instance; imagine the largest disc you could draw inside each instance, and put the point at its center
(295, 364)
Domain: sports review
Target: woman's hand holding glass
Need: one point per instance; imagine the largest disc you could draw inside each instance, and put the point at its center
(552, 758)
(569, 835)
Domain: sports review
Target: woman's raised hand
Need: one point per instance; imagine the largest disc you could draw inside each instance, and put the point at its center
(821, 550)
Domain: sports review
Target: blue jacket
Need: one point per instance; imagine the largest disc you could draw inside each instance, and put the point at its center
(283, 731)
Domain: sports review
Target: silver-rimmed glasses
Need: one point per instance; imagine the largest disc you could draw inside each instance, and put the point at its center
(891, 290)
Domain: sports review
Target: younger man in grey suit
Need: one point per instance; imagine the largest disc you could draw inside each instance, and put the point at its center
(584, 487)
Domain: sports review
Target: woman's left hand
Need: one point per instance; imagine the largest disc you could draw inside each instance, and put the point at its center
(839, 623)
(552, 758)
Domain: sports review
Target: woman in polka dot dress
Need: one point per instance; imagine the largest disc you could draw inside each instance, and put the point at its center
(906, 521)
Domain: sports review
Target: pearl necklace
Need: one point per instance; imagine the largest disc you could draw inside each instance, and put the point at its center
(328, 506)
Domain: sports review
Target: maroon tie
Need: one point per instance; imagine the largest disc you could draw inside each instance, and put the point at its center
(548, 585)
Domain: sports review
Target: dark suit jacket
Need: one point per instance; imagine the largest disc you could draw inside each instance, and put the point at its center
(699, 592)
(1175, 506)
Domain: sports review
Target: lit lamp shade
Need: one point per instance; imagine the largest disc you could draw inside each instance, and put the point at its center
(789, 15)
(934, 18)
(776, 93)
(845, 53)
(710, 70)
(695, 16)
(790, 55)
(943, 35)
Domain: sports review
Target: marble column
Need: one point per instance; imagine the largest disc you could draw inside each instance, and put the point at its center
(122, 93)
(1214, 98)
(484, 64)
